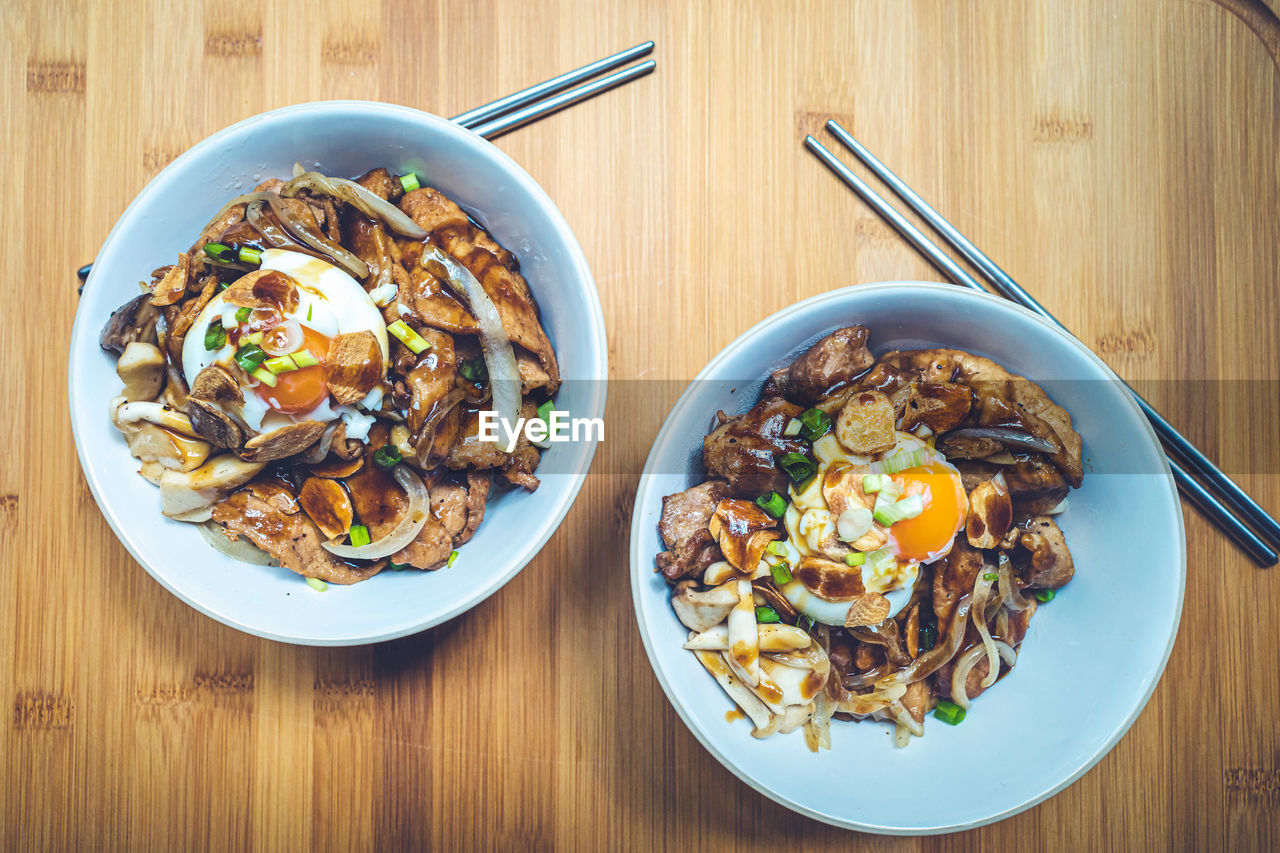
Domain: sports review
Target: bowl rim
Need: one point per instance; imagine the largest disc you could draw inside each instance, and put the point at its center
(596, 330)
(642, 565)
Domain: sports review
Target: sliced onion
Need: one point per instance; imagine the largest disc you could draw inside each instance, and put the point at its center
(1012, 598)
(405, 531)
(934, 659)
(981, 589)
(966, 661)
(358, 197)
(348, 262)
(241, 549)
(499, 357)
(245, 199)
(284, 338)
(903, 718)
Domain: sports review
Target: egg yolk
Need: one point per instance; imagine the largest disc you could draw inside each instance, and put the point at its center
(299, 391)
(945, 506)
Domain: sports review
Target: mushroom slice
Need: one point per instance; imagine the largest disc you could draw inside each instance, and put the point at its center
(335, 468)
(213, 424)
(328, 504)
(990, 513)
(282, 442)
(742, 530)
(191, 495)
(744, 641)
(775, 637)
(866, 423)
(353, 366)
(871, 608)
(829, 579)
(701, 610)
(264, 289)
(133, 321)
(141, 369)
(750, 704)
(215, 383)
(173, 286)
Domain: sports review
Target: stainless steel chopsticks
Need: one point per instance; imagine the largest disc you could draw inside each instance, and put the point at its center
(475, 118)
(541, 100)
(1209, 499)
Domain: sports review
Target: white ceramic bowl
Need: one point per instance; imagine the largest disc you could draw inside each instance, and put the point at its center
(343, 138)
(1092, 656)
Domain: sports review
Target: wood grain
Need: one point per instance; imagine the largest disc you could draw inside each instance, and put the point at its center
(1119, 157)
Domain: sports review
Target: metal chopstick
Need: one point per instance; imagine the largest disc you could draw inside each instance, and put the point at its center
(497, 127)
(1186, 453)
(484, 119)
(478, 116)
(1218, 512)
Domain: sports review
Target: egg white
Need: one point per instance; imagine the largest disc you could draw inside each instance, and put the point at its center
(331, 303)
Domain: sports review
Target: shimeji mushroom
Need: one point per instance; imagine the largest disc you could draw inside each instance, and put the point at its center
(141, 369)
(744, 641)
(158, 437)
(750, 704)
(773, 638)
(190, 495)
(701, 610)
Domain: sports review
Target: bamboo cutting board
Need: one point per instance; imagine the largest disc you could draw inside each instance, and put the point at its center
(1119, 157)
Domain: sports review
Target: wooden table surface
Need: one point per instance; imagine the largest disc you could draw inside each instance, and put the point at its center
(1121, 158)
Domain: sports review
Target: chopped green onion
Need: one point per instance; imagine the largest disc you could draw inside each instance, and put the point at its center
(223, 285)
(815, 424)
(1044, 596)
(396, 567)
(304, 358)
(414, 341)
(409, 182)
(793, 428)
(766, 614)
(219, 252)
(215, 337)
(545, 410)
(910, 506)
(266, 377)
(889, 514)
(254, 338)
(777, 548)
(881, 560)
(928, 636)
(797, 466)
(773, 503)
(453, 555)
(949, 712)
(806, 622)
(473, 371)
(903, 461)
(872, 483)
(990, 576)
(387, 457)
(242, 314)
(317, 584)
(309, 307)
(250, 256)
(781, 573)
(280, 364)
(359, 535)
(855, 558)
